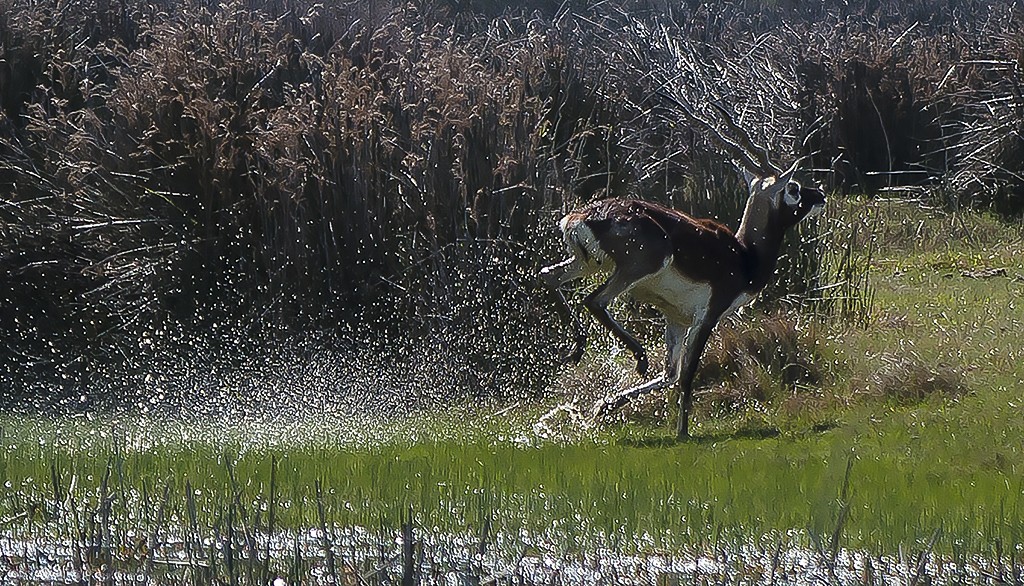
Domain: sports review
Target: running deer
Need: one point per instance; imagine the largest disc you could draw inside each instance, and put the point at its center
(694, 271)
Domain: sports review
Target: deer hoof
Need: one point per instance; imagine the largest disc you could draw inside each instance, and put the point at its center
(603, 407)
(577, 353)
(641, 363)
(608, 405)
(574, 358)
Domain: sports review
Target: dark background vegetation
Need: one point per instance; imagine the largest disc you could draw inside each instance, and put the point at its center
(216, 174)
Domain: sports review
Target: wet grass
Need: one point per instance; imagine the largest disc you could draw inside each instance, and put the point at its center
(910, 441)
(913, 471)
(877, 485)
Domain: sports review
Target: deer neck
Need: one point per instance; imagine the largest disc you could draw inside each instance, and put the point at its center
(761, 237)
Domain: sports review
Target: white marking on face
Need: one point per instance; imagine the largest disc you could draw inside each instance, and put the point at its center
(816, 211)
(741, 301)
(791, 195)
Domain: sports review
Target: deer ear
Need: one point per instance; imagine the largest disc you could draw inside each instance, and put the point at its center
(791, 195)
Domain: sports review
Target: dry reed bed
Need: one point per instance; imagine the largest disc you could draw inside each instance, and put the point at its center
(398, 168)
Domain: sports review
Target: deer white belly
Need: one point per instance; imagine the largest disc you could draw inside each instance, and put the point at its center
(682, 300)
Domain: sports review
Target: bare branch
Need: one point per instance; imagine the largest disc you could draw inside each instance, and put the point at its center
(760, 155)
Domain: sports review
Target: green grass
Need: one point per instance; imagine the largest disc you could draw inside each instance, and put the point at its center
(913, 470)
(952, 463)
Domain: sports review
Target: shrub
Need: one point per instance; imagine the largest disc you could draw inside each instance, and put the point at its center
(763, 362)
(906, 378)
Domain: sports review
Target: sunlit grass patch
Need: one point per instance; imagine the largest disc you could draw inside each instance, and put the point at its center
(631, 487)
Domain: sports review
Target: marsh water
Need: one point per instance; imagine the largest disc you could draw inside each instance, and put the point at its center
(365, 556)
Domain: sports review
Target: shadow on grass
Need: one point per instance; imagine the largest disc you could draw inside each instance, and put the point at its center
(747, 433)
(667, 441)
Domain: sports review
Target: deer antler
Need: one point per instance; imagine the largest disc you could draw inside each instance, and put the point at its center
(763, 164)
(736, 142)
(693, 84)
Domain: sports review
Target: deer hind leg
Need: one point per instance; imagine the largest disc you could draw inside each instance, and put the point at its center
(675, 336)
(555, 276)
(622, 279)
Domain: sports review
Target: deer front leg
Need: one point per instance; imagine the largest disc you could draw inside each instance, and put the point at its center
(697, 339)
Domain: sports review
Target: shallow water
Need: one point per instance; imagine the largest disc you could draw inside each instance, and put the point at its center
(361, 556)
